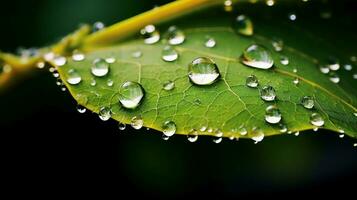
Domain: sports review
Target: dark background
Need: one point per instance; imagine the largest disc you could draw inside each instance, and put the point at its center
(49, 148)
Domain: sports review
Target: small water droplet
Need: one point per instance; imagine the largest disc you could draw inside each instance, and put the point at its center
(192, 136)
(292, 16)
(257, 56)
(203, 128)
(63, 88)
(210, 130)
(284, 60)
(78, 56)
(267, 93)
(296, 81)
(353, 58)
(169, 54)
(169, 85)
(203, 71)
(55, 74)
(243, 25)
(297, 133)
(105, 113)
(324, 69)
(334, 78)
(131, 94)
(341, 136)
(40, 65)
(165, 137)
(121, 126)
(174, 36)
(73, 77)
(210, 42)
(295, 70)
(270, 2)
(100, 67)
(355, 114)
(257, 135)
(315, 129)
(228, 5)
(93, 82)
(278, 44)
(97, 26)
(347, 67)
(60, 61)
(232, 137)
(81, 109)
(197, 102)
(49, 56)
(217, 140)
(59, 82)
(252, 81)
(169, 128)
(289, 132)
(355, 144)
(218, 133)
(150, 34)
(355, 76)
(110, 60)
(316, 119)
(136, 54)
(333, 64)
(110, 82)
(308, 102)
(137, 122)
(283, 128)
(242, 130)
(272, 114)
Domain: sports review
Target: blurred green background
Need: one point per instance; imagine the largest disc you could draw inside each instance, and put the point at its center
(48, 146)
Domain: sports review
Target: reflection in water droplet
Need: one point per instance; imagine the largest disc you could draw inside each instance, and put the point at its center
(110, 60)
(169, 54)
(73, 77)
(267, 93)
(258, 57)
(100, 67)
(242, 130)
(243, 25)
(131, 94)
(174, 36)
(316, 119)
(203, 71)
(105, 113)
(296, 81)
(203, 128)
(59, 61)
(333, 64)
(210, 42)
(169, 85)
(137, 122)
(110, 82)
(278, 44)
(81, 109)
(136, 54)
(308, 102)
(324, 69)
(93, 82)
(283, 128)
(347, 67)
(150, 35)
(257, 135)
(192, 136)
(217, 140)
(292, 16)
(334, 78)
(169, 128)
(40, 65)
(97, 26)
(284, 60)
(297, 133)
(272, 114)
(121, 126)
(315, 129)
(78, 56)
(252, 81)
(165, 137)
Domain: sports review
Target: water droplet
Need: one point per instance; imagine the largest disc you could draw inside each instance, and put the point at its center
(137, 122)
(78, 56)
(210, 42)
(93, 82)
(252, 81)
(49, 56)
(334, 78)
(258, 57)
(308, 102)
(73, 77)
(169, 85)
(192, 136)
(100, 67)
(131, 94)
(278, 44)
(174, 36)
(270, 2)
(341, 136)
(315, 129)
(217, 140)
(169, 54)
(243, 25)
(267, 93)
(272, 114)
(197, 102)
(121, 126)
(110, 82)
(97, 26)
(203, 128)
(297, 133)
(347, 67)
(232, 137)
(355, 144)
(169, 128)
(355, 76)
(210, 130)
(136, 54)
(218, 133)
(40, 65)
(341, 131)
(165, 137)
(60, 61)
(333, 64)
(63, 88)
(324, 69)
(59, 82)
(353, 58)
(55, 74)
(228, 5)
(283, 128)
(242, 130)
(284, 60)
(355, 114)
(257, 135)
(316, 119)
(296, 81)
(292, 16)
(295, 70)
(150, 35)
(105, 113)
(203, 71)
(81, 109)
(110, 60)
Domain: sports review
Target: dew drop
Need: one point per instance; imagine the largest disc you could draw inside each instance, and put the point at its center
(354, 76)
(297, 133)
(192, 136)
(169, 128)
(232, 137)
(257, 135)
(292, 16)
(270, 2)
(218, 133)
(283, 128)
(242, 130)
(105, 113)
(210, 42)
(110, 82)
(110, 60)
(228, 5)
(169, 85)
(252, 81)
(315, 129)
(137, 122)
(347, 67)
(121, 126)
(55, 73)
(243, 25)
(333, 64)
(295, 70)
(324, 69)
(258, 57)
(60, 61)
(100, 67)
(174, 36)
(308, 102)
(150, 35)
(296, 81)
(93, 82)
(267, 93)
(73, 77)
(97, 26)
(78, 56)
(203, 128)
(169, 54)
(334, 78)
(278, 44)
(131, 94)
(316, 119)
(272, 114)
(203, 71)
(40, 65)
(284, 60)
(165, 137)
(81, 109)
(136, 54)
(217, 140)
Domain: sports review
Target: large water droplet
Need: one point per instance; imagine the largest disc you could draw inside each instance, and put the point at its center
(169, 54)
(334, 78)
(267, 93)
(121, 126)
(105, 113)
(192, 136)
(137, 122)
(243, 25)
(257, 56)
(169, 128)
(150, 35)
(169, 85)
(284, 60)
(131, 94)
(174, 36)
(78, 56)
(257, 135)
(73, 77)
(252, 81)
(316, 119)
(81, 109)
(272, 114)
(203, 71)
(210, 42)
(308, 102)
(60, 61)
(100, 67)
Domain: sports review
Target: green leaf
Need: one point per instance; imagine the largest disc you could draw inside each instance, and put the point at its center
(229, 104)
